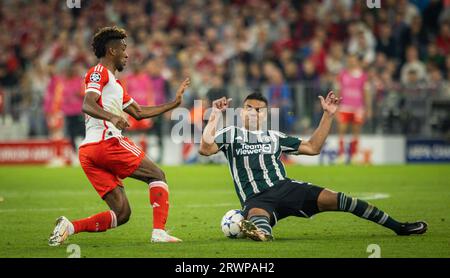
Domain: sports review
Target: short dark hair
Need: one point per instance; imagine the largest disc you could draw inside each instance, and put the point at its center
(257, 96)
(104, 36)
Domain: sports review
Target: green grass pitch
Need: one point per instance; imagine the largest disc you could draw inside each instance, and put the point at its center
(33, 197)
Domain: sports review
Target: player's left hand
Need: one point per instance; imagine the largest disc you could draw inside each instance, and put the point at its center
(184, 85)
(331, 103)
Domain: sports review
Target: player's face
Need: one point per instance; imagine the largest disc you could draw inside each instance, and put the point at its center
(352, 62)
(121, 56)
(254, 114)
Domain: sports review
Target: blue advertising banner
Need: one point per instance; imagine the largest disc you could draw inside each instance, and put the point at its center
(429, 150)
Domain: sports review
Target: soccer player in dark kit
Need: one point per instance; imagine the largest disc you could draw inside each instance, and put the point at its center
(266, 193)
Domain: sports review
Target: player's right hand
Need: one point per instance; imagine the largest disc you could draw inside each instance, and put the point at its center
(119, 122)
(330, 104)
(179, 95)
(219, 105)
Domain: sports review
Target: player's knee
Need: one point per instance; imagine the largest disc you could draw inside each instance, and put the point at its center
(123, 217)
(155, 175)
(257, 211)
(327, 200)
(162, 175)
(159, 175)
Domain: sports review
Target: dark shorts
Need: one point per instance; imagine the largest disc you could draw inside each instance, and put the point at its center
(287, 198)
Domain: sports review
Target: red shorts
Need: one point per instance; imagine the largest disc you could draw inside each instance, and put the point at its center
(107, 162)
(351, 117)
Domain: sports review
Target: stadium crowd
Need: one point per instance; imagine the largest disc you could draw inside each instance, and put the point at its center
(289, 50)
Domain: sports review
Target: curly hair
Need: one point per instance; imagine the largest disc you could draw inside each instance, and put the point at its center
(105, 35)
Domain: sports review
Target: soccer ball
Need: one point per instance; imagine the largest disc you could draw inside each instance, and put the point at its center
(230, 224)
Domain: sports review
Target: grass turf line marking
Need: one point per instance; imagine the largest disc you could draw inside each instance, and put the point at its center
(360, 195)
(371, 195)
(94, 208)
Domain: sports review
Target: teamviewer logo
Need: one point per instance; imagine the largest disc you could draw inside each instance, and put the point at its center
(372, 4)
(73, 4)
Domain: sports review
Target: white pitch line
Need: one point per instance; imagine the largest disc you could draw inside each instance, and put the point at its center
(14, 210)
(71, 193)
(371, 195)
(209, 205)
(41, 209)
(361, 195)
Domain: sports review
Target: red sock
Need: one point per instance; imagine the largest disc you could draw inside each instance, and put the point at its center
(341, 150)
(143, 143)
(159, 199)
(96, 223)
(353, 147)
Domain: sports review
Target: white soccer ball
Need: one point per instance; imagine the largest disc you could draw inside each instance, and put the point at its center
(230, 224)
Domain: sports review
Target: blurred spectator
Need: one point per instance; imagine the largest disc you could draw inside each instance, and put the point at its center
(305, 26)
(415, 35)
(216, 91)
(34, 84)
(415, 104)
(389, 104)
(238, 89)
(443, 39)
(254, 76)
(311, 89)
(399, 28)
(362, 43)
(139, 86)
(334, 59)
(53, 99)
(220, 42)
(436, 81)
(317, 56)
(9, 68)
(431, 16)
(161, 93)
(434, 56)
(408, 9)
(72, 102)
(292, 76)
(280, 96)
(385, 41)
(413, 64)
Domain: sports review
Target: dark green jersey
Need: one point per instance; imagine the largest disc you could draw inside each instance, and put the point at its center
(254, 157)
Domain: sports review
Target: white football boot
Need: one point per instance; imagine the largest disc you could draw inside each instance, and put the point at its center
(61, 231)
(159, 235)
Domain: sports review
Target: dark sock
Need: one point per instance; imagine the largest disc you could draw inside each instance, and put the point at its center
(262, 222)
(365, 210)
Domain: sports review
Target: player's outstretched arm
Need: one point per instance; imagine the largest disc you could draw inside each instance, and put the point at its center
(143, 112)
(314, 145)
(208, 145)
(91, 107)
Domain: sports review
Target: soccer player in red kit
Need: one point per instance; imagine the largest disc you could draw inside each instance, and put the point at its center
(105, 155)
